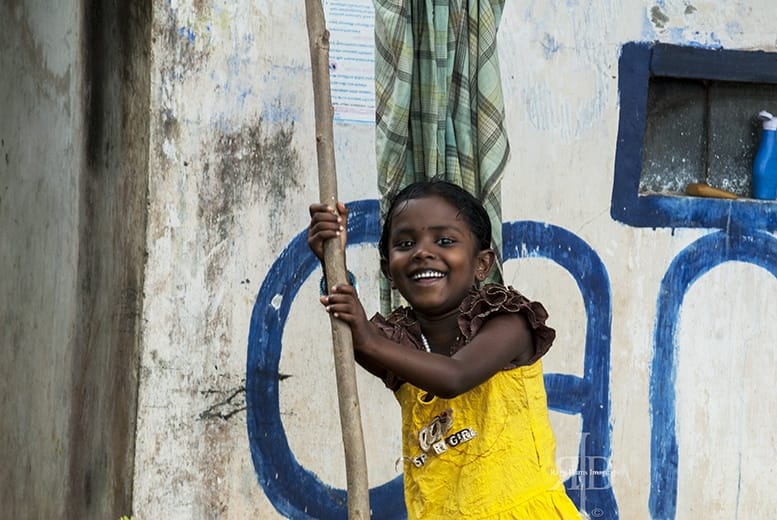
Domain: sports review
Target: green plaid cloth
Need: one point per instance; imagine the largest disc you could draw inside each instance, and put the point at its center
(439, 104)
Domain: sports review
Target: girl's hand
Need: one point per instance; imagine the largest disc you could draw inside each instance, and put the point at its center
(344, 304)
(326, 224)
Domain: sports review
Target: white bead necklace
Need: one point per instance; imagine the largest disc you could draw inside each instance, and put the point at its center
(428, 348)
(426, 343)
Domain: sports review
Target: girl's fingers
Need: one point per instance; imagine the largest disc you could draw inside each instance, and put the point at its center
(326, 226)
(345, 290)
(340, 304)
(331, 226)
(336, 298)
(341, 311)
(322, 232)
(327, 223)
(319, 208)
(342, 209)
(323, 236)
(324, 212)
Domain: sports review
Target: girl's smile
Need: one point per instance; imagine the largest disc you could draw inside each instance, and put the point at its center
(433, 258)
(428, 274)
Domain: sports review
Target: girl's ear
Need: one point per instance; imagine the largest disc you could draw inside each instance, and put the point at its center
(384, 267)
(484, 263)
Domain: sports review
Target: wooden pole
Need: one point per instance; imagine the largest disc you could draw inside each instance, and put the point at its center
(334, 268)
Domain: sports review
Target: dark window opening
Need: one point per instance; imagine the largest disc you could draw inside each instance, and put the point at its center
(690, 115)
(700, 131)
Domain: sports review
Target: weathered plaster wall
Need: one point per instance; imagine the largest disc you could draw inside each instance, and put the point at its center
(73, 170)
(40, 164)
(113, 191)
(563, 114)
(232, 164)
(230, 171)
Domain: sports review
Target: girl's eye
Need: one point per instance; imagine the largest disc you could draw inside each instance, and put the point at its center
(403, 244)
(445, 241)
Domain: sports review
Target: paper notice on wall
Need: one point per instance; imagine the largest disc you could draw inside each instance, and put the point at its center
(351, 59)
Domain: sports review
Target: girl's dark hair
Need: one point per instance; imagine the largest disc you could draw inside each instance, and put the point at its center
(469, 207)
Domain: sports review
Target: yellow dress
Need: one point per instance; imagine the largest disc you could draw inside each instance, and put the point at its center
(490, 452)
(497, 455)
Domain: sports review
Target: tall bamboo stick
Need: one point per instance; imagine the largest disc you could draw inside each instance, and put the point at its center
(334, 268)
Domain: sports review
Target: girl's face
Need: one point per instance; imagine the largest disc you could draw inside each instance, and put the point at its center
(433, 259)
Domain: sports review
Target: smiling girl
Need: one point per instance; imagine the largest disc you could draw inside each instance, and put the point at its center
(464, 361)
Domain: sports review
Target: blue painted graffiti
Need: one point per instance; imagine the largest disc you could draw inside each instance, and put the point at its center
(188, 33)
(293, 490)
(298, 493)
(694, 261)
(590, 488)
(743, 237)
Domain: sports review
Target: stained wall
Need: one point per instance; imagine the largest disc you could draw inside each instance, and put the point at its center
(163, 350)
(73, 177)
(653, 321)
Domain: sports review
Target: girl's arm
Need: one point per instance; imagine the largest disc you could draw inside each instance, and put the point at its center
(504, 338)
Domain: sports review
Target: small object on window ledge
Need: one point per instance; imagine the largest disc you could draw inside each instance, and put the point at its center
(699, 189)
(765, 163)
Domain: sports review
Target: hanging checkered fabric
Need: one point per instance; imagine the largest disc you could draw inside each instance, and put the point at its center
(439, 104)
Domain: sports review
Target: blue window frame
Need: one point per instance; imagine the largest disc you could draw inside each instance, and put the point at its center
(639, 62)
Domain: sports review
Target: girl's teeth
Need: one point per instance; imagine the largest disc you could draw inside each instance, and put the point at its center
(420, 276)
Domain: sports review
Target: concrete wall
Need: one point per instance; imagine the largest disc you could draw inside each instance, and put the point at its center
(41, 163)
(74, 149)
(156, 163)
(234, 161)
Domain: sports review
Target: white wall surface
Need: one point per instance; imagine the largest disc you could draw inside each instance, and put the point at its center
(232, 171)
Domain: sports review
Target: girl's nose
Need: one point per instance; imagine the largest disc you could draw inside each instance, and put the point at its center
(422, 251)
